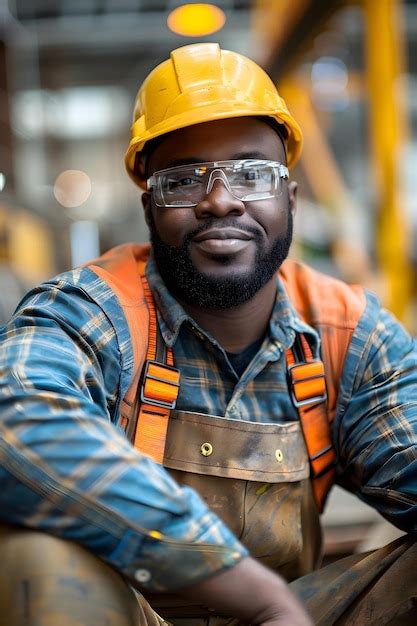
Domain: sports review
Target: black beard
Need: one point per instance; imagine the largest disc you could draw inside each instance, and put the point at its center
(189, 285)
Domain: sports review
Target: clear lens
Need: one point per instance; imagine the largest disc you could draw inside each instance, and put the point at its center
(246, 179)
(181, 186)
(255, 181)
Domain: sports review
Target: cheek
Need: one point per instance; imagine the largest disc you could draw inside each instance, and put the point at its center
(281, 222)
(272, 215)
(172, 225)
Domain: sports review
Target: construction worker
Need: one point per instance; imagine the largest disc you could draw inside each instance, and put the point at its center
(173, 416)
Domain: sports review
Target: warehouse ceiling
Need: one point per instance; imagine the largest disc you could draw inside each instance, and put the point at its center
(80, 42)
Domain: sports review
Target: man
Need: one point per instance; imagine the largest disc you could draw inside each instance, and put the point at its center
(213, 366)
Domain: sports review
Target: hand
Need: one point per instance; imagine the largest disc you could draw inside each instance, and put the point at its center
(252, 593)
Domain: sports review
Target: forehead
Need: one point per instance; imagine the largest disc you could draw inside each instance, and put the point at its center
(216, 141)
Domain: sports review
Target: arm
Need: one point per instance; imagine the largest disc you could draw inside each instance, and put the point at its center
(66, 469)
(375, 429)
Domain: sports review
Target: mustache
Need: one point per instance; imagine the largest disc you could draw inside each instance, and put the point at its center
(226, 222)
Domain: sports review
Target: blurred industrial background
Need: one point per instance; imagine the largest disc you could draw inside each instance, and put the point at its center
(70, 69)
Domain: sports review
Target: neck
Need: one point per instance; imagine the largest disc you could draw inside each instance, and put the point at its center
(236, 328)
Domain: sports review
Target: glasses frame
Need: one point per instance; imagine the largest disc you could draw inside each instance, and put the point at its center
(217, 173)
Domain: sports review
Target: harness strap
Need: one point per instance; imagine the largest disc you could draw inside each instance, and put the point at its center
(157, 391)
(307, 386)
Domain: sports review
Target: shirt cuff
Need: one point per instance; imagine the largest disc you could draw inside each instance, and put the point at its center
(166, 564)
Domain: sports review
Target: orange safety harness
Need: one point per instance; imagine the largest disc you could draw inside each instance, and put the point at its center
(158, 391)
(307, 386)
(330, 306)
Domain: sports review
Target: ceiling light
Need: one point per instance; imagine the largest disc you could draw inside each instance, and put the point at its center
(196, 20)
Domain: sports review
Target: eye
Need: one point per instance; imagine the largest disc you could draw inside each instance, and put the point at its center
(185, 182)
(243, 176)
(175, 183)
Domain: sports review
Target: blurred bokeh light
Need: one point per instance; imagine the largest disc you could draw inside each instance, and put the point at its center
(196, 20)
(329, 77)
(72, 188)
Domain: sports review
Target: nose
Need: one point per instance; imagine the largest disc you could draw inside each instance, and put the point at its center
(219, 202)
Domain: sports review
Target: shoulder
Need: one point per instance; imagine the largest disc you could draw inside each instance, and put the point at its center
(109, 282)
(74, 305)
(86, 303)
(320, 299)
(77, 306)
(119, 269)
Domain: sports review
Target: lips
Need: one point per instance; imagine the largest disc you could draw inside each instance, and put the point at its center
(222, 241)
(222, 234)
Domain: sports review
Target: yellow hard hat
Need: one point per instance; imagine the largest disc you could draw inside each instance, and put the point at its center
(201, 83)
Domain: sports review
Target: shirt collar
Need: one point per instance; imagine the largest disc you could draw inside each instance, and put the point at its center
(284, 323)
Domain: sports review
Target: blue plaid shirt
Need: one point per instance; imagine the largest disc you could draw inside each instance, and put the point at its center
(66, 468)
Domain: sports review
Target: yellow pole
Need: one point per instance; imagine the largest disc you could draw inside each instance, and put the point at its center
(385, 54)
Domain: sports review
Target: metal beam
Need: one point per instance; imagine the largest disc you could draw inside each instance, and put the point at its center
(293, 25)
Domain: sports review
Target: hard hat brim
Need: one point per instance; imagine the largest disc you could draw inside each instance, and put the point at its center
(209, 114)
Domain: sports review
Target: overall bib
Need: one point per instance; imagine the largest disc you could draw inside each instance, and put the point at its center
(255, 477)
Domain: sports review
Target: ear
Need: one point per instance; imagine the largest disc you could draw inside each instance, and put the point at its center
(292, 196)
(146, 203)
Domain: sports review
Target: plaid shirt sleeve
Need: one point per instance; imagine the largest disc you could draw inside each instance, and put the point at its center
(66, 468)
(376, 425)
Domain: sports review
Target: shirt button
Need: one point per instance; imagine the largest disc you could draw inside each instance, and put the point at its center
(142, 575)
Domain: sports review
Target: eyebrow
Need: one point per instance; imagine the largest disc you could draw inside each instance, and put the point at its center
(251, 155)
(186, 161)
(235, 157)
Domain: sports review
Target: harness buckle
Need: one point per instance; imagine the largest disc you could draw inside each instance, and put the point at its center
(307, 383)
(160, 385)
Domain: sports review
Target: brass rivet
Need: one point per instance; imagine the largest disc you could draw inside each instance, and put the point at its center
(279, 456)
(206, 449)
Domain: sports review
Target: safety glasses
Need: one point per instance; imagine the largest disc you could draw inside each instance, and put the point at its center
(246, 179)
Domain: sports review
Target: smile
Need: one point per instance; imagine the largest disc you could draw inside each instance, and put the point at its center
(222, 240)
